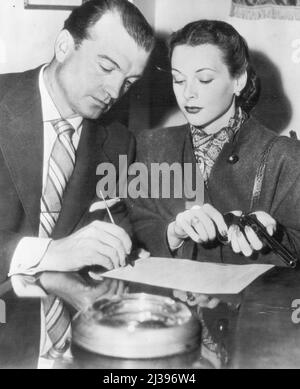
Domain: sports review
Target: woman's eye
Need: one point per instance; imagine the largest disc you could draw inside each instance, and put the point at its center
(179, 82)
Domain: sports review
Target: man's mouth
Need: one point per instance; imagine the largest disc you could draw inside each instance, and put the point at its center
(101, 104)
(192, 110)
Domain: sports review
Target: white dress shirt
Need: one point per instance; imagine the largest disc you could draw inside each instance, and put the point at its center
(28, 256)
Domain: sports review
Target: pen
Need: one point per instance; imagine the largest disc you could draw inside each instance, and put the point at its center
(107, 208)
(129, 258)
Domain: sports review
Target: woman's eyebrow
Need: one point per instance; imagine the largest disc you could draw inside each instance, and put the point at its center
(200, 70)
(176, 70)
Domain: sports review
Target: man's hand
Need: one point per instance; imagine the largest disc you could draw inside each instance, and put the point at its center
(199, 223)
(78, 293)
(99, 243)
(198, 299)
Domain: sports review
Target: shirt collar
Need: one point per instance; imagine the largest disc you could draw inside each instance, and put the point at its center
(49, 110)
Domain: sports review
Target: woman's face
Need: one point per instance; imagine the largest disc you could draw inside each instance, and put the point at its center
(202, 84)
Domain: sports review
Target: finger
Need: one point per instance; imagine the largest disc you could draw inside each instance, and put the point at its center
(267, 220)
(103, 255)
(217, 218)
(112, 254)
(183, 222)
(113, 288)
(102, 288)
(143, 254)
(110, 240)
(232, 238)
(206, 224)
(202, 300)
(245, 247)
(198, 226)
(179, 294)
(213, 303)
(116, 231)
(105, 292)
(253, 239)
(237, 213)
(120, 288)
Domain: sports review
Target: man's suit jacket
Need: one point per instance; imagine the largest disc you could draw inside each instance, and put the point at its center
(229, 188)
(21, 169)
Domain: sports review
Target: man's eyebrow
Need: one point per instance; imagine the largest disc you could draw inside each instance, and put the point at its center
(109, 59)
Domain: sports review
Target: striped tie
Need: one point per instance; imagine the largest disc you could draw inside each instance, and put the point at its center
(61, 166)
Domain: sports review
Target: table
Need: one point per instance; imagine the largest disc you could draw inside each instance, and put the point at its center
(252, 330)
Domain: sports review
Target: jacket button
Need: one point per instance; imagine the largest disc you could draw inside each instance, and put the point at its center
(233, 159)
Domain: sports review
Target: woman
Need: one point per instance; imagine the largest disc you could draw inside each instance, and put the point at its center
(215, 90)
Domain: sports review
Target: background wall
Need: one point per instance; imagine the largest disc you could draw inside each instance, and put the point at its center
(27, 38)
(26, 35)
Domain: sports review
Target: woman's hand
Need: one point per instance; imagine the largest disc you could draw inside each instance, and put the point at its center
(248, 242)
(200, 223)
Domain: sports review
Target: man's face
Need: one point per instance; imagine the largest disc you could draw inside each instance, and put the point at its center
(94, 75)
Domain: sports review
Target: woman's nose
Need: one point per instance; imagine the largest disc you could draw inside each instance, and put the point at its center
(191, 90)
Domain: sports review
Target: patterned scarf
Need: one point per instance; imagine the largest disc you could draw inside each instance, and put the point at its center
(207, 147)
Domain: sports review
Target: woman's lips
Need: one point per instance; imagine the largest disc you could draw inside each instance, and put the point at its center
(193, 110)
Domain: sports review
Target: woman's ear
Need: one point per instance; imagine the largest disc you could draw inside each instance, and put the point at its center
(240, 83)
(64, 45)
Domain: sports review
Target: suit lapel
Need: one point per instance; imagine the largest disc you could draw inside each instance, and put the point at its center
(21, 141)
(81, 188)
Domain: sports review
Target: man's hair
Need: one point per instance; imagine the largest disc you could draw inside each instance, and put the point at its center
(88, 14)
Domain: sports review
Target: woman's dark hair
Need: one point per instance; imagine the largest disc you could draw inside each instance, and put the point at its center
(87, 15)
(232, 45)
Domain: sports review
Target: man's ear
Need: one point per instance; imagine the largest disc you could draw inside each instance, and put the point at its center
(64, 45)
(240, 83)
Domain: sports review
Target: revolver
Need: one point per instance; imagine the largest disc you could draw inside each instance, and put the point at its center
(251, 220)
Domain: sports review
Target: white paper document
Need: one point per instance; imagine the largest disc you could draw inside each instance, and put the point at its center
(190, 276)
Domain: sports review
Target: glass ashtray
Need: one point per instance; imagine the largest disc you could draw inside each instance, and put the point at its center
(137, 326)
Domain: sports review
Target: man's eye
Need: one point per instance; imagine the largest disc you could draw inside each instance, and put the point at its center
(205, 81)
(106, 69)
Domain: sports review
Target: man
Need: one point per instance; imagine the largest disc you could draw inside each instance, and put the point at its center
(51, 145)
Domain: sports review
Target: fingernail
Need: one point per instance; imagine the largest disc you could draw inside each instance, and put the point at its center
(247, 229)
(224, 234)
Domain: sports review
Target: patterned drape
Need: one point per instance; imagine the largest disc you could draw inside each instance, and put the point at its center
(266, 9)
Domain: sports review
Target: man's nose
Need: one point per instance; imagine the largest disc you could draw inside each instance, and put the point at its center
(114, 86)
(191, 90)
